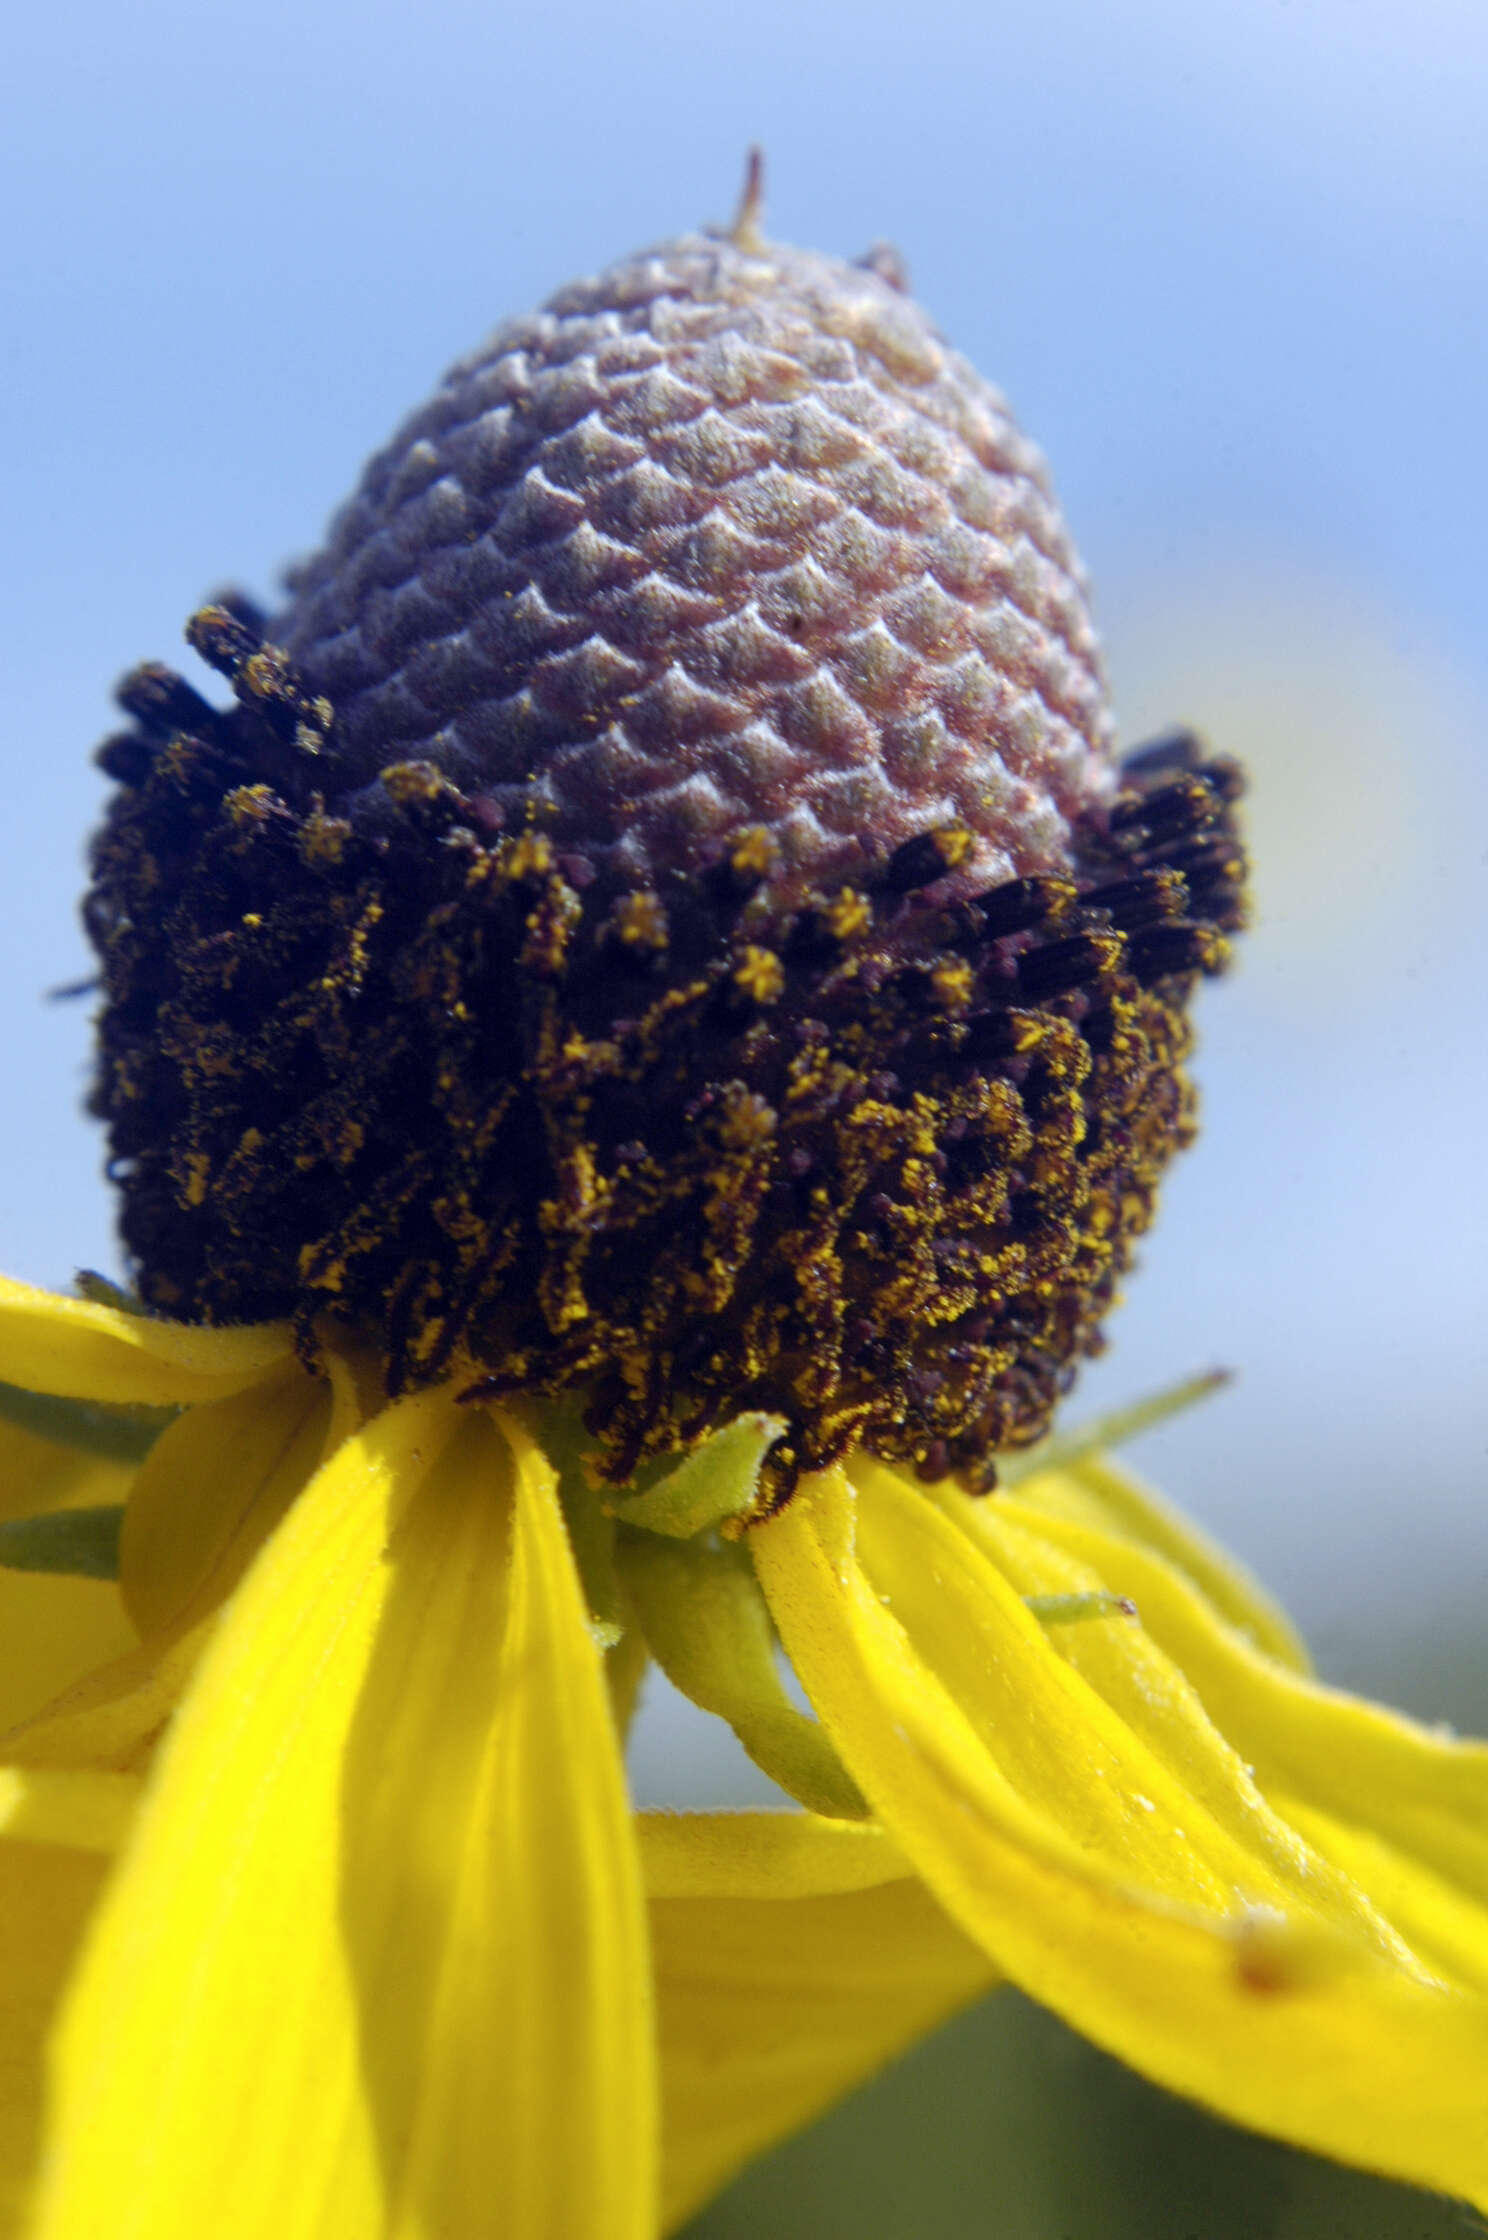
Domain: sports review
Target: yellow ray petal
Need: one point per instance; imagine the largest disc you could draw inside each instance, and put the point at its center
(752, 1854)
(374, 1963)
(1154, 1700)
(771, 2008)
(37, 1475)
(1356, 1765)
(114, 1716)
(47, 1894)
(794, 1957)
(54, 1630)
(575, 2058)
(83, 1811)
(1445, 1924)
(1267, 2014)
(1128, 1767)
(1097, 1493)
(82, 1351)
(213, 1487)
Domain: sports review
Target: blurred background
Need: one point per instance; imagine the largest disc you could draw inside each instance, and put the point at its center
(1231, 264)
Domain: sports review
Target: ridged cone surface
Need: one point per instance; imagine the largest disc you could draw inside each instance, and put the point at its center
(724, 536)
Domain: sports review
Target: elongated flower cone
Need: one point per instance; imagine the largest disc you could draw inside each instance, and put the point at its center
(662, 916)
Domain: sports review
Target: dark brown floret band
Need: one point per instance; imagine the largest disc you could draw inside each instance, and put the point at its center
(873, 1160)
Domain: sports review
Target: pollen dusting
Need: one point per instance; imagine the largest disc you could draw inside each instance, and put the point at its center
(870, 1160)
(661, 917)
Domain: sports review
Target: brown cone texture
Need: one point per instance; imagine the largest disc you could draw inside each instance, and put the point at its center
(660, 919)
(722, 537)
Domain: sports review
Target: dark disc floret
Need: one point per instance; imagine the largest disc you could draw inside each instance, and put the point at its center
(660, 915)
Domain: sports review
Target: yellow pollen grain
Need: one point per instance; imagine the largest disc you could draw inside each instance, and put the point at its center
(260, 674)
(954, 843)
(250, 805)
(529, 857)
(954, 984)
(326, 1275)
(640, 922)
(749, 1122)
(849, 914)
(323, 839)
(551, 926)
(411, 782)
(755, 852)
(760, 974)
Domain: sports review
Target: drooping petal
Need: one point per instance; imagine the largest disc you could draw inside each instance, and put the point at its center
(754, 1854)
(1441, 1919)
(58, 1835)
(794, 1958)
(53, 1630)
(374, 1963)
(1401, 1808)
(114, 1716)
(47, 1894)
(82, 1351)
(1200, 1831)
(37, 1475)
(211, 1491)
(1147, 1702)
(83, 1811)
(1098, 1493)
(1062, 1840)
(213, 1487)
(574, 2056)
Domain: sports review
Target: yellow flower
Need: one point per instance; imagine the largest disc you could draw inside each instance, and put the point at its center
(327, 1893)
(660, 932)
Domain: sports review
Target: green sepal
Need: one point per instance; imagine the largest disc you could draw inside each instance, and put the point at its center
(716, 1481)
(707, 1625)
(104, 1292)
(74, 1543)
(114, 1434)
(1070, 1609)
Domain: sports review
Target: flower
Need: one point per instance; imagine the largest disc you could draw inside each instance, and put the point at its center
(636, 1053)
(333, 1880)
